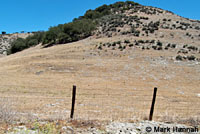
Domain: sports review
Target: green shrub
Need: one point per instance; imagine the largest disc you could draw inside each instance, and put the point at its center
(114, 44)
(37, 35)
(18, 45)
(109, 44)
(3, 32)
(104, 10)
(79, 28)
(164, 19)
(100, 47)
(32, 42)
(141, 41)
(21, 44)
(136, 33)
(192, 57)
(118, 42)
(63, 38)
(90, 14)
(173, 46)
(126, 41)
(154, 47)
(192, 48)
(184, 46)
(179, 57)
(152, 41)
(76, 30)
(159, 43)
(143, 47)
(52, 34)
(130, 45)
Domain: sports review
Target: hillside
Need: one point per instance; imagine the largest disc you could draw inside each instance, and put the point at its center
(7, 39)
(149, 28)
(115, 69)
(152, 28)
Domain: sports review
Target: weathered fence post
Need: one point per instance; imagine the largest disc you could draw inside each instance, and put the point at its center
(153, 103)
(73, 101)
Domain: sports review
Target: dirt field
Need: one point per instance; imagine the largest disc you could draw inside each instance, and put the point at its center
(111, 85)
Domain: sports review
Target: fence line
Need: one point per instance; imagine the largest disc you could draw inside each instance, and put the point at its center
(128, 105)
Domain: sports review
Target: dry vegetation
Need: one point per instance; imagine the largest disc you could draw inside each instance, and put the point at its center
(40, 81)
(114, 73)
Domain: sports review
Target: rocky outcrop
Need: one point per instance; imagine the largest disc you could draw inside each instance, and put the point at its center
(7, 39)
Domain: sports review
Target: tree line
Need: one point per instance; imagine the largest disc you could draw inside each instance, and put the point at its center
(80, 28)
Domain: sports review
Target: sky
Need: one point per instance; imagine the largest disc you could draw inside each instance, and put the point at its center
(35, 15)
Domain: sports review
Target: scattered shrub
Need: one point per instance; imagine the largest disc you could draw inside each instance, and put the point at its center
(100, 47)
(173, 46)
(136, 33)
(164, 19)
(159, 43)
(109, 44)
(141, 41)
(3, 32)
(184, 46)
(126, 41)
(154, 47)
(118, 42)
(191, 58)
(143, 47)
(159, 48)
(136, 43)
(183, 51)
(114, 44)
(179, 57)
(192, 48)
(120, 47)
(152, 41)
(130, 45)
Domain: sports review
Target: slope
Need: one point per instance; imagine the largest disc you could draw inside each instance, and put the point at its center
(115, 71)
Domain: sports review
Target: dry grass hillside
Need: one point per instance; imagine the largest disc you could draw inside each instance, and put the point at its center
(115, 71)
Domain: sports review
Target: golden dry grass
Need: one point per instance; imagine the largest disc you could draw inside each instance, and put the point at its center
(111, 85)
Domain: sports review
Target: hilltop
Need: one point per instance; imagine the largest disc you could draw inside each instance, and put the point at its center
(151, 28)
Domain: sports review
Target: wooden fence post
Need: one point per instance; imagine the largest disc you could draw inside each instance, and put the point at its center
(153, 103)
(73, 101)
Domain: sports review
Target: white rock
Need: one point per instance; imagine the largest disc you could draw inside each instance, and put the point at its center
(198, 95)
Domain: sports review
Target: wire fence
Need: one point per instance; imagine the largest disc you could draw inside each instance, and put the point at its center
(97, 104)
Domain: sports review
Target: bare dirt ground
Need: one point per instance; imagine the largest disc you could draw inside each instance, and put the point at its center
(111, 85)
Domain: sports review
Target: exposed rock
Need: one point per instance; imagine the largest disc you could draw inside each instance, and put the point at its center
(7, 39)
(144, 127)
